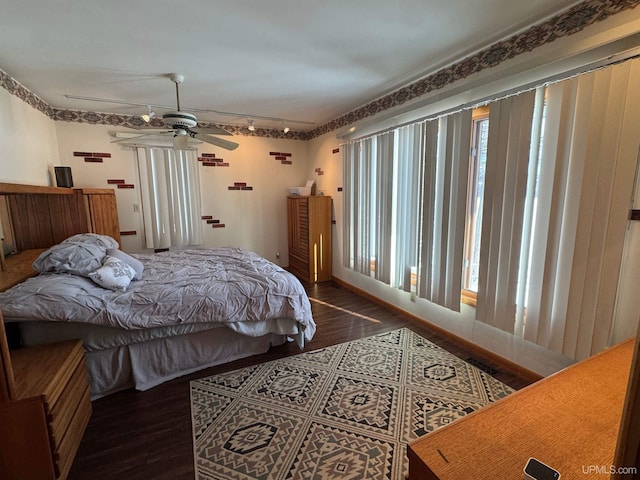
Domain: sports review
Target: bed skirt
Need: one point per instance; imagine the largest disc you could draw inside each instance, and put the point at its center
(144, 365)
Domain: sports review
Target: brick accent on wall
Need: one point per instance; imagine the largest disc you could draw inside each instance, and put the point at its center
(283, 157)
(335, 150)
(119, 183)
(210, 160)
(214, 222)
(92, 157)
(240, 186)
(319, 171)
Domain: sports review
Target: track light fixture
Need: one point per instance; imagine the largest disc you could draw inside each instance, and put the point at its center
(252, 127)
(146, 117)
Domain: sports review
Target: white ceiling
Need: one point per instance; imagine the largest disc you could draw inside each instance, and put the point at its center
(293, 59)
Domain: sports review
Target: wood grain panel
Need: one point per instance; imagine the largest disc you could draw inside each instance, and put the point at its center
(67, 216)
(19, 189)
(5, 220)
(628, 450)
(44, 216)
(103, 212)
(24, 444)
(31, 221)
(19, 268)
(7, 381)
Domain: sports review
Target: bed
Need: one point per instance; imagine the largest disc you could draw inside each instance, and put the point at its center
(179, 312)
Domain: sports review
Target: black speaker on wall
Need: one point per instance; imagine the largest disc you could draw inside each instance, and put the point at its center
(63, 177)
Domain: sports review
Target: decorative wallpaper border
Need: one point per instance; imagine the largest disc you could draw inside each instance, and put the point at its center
(134, 121)
(564, 24)
(15, 88)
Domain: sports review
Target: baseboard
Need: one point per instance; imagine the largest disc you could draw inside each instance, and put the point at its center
(469, 345)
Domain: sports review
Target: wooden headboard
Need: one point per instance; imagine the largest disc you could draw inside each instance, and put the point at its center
(36, 217)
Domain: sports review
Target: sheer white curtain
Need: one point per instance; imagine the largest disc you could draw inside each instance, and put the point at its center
(588, 159)
(170, 190)
(444, 194)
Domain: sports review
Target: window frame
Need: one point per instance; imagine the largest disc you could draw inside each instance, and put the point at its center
(479, 114)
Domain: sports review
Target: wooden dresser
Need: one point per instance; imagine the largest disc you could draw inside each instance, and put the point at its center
(45, 401)
(309, 220)
(569, 421)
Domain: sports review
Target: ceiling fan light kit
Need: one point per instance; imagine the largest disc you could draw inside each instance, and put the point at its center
(146, 117)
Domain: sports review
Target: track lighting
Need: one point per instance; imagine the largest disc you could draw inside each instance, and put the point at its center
(146, 117)
(252, 127)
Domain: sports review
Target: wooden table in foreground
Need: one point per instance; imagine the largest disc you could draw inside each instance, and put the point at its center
(569, 421)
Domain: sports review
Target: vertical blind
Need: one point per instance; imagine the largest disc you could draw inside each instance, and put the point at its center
(408, 182)
(588, 158)
(558, 182)
(404, 207)
(444, 205)
(510, 122)
(170, 189)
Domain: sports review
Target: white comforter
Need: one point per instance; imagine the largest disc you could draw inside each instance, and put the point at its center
(226, 285)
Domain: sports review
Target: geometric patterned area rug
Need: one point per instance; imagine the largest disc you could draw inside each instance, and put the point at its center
(343, 412)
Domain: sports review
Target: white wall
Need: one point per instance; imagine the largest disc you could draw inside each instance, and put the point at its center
(29, 143)
(256, 219)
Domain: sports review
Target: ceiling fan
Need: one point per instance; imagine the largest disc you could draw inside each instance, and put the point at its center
(183, 126)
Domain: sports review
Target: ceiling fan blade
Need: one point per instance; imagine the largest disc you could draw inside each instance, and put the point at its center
(211, 130)
(128, 139)
(219, 142)
(180, 142)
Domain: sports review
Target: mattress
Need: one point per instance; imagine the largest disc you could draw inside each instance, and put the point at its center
(228, 286)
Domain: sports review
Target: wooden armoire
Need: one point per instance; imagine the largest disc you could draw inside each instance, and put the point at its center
(310, 237)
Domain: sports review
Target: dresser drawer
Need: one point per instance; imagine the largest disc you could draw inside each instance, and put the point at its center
(62, 411)
(65, 450)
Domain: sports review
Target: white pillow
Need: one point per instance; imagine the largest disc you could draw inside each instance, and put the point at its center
(134, 263)
(114, 274)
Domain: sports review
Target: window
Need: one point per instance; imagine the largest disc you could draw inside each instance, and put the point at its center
(170, 191)
(475, 195)
(404, 206)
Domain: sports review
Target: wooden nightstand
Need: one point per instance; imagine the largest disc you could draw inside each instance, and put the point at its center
(45, 407)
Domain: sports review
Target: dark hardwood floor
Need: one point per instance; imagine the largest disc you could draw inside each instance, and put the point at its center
(147, 435)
